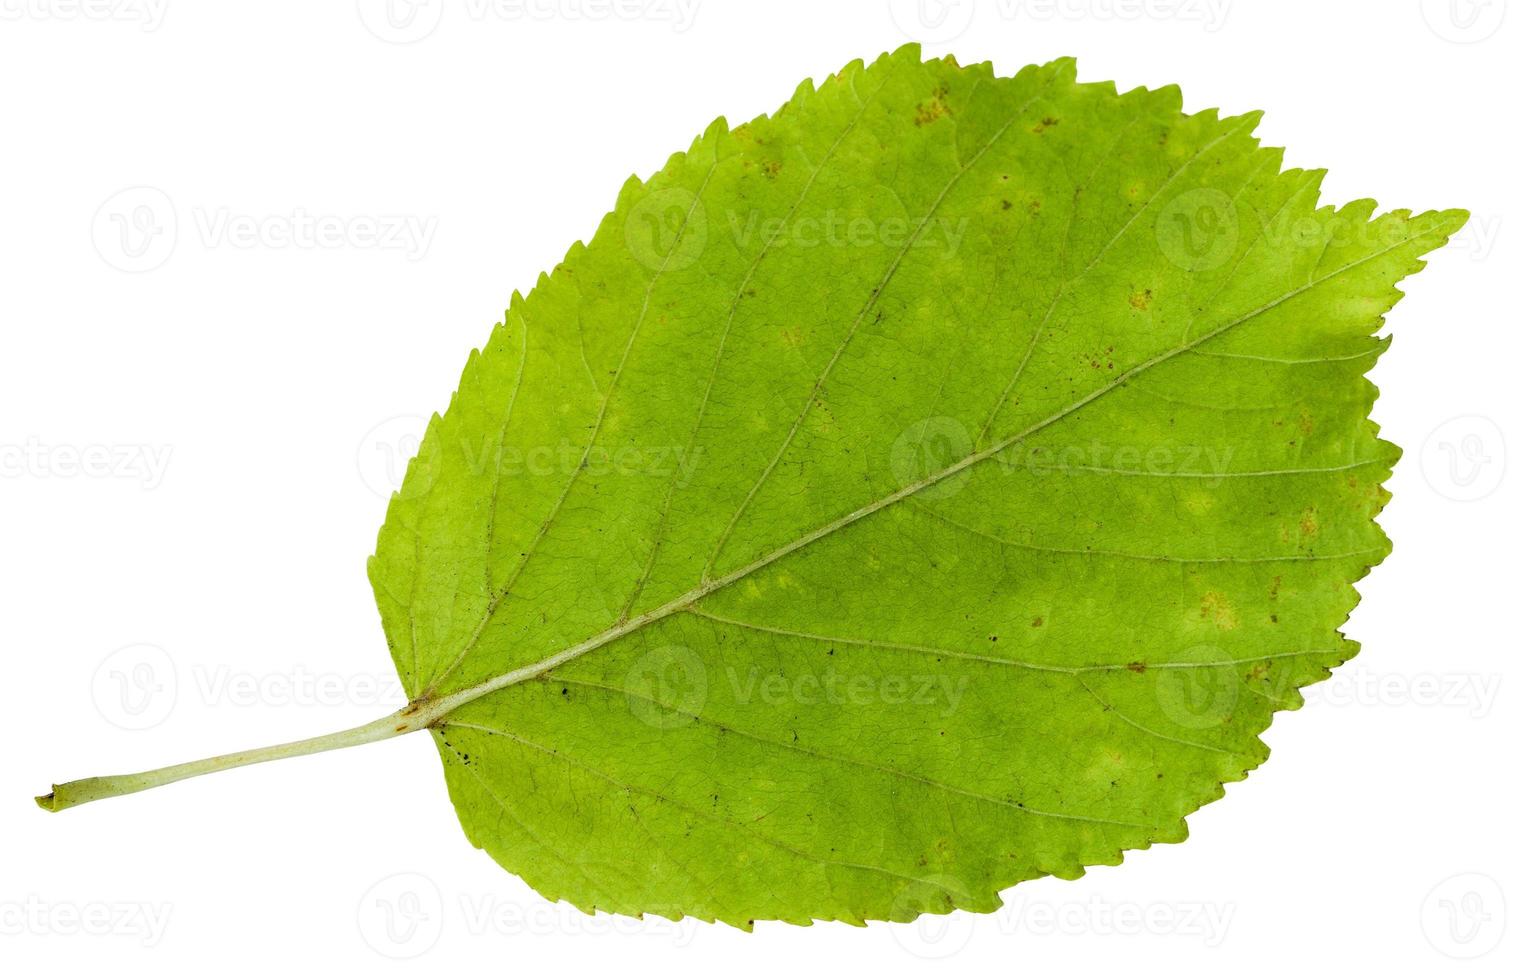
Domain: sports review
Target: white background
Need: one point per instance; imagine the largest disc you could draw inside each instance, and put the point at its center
(201, 413)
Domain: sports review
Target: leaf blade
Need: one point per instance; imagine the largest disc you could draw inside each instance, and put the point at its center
(656, 775)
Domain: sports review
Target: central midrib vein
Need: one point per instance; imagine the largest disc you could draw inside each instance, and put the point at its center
(437, 709)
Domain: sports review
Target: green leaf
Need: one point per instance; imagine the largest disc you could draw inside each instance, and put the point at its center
(934, 485)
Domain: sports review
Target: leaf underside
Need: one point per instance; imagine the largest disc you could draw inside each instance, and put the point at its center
(935, 485)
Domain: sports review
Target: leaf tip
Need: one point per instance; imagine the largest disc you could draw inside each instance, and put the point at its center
(1455, 218)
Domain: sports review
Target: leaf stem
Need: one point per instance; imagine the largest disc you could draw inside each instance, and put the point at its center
(408, 719)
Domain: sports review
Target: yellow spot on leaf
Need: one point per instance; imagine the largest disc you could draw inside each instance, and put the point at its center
(930, 112)
(1215, 607)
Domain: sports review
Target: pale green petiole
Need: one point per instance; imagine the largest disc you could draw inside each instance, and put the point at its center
(65, 795)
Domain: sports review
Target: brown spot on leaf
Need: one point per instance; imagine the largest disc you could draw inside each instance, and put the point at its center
(1215, 607)
(930, 111)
